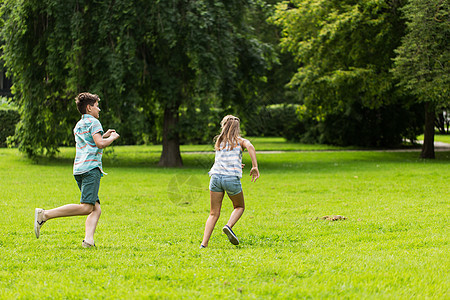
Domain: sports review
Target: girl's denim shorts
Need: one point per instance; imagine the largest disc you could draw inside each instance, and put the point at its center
(230, 184)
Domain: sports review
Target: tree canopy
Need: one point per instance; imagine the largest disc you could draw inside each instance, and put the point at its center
(344, 51)
(140, 56)
(422, 62)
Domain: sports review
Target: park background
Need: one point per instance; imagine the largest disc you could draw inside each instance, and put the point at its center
(342, 99)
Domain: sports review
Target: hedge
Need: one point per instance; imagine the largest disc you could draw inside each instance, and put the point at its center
(8, 120)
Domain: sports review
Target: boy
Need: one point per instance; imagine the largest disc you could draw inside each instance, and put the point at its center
(87, 168)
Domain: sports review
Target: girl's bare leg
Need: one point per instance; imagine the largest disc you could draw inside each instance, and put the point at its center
(91, 223)
(68, 210)
(239, 206)
(216, 205)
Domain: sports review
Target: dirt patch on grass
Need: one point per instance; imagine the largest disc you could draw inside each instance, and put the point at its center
(333, 218)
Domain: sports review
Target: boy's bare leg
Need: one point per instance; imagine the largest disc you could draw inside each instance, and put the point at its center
(91, 223)
(239, 206)
(216, 205)
(68, 210)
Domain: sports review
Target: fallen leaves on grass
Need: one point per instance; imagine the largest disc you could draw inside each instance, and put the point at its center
(333, 218)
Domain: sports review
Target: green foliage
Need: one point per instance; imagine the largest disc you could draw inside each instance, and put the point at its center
(329, 40)
(276, 120)
(344, 50)
(9, 118)
(199, 124)
(264, 87)
(145, 60)
(382, 127)
(266, 108)
(361, 126)
(422, 64)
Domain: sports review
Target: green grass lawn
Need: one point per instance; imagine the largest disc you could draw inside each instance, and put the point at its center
(444, 138)
(394, 243)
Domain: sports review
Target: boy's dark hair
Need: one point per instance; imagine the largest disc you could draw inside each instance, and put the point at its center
(83, 99)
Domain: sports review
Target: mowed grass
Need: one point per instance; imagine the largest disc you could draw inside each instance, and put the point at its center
(394, 243)
(443, 138)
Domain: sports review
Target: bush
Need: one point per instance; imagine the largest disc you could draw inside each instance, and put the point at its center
(275, 120)
(199, 125)
(361, 126)
(9, 117)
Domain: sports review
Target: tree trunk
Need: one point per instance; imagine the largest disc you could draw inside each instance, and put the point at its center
(440, 122)
(428, 140)
(170, 156)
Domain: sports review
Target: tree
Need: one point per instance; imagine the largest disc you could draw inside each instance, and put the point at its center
(200, 48)
(255, 108)
(146, 57)
(344, 50)
(422, 61)
(54, 50)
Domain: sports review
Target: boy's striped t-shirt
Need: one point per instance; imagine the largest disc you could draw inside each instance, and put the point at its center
(228, 162)
(88, 156)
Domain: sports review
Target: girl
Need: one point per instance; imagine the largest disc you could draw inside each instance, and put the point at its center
(225, 177)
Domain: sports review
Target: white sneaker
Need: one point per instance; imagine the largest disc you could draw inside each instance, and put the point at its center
(38, 221)
(87, 245)
(230, 234)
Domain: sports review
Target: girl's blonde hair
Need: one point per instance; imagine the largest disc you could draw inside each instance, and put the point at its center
(230, 133)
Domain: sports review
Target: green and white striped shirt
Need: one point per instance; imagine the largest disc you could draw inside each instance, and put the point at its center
(88, 156)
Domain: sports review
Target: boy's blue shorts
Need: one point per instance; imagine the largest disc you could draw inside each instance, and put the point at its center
(230, 184)
(89, 184)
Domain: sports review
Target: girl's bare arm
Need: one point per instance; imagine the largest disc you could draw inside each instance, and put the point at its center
(254, 172)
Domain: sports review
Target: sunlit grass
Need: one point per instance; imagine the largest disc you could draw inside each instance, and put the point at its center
(394, 243)
(444, 138)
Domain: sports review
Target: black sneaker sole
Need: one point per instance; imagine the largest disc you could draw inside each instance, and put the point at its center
(231, 236)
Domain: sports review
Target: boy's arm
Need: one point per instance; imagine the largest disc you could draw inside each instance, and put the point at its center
(108, 133)
(101, 143)
(254, 172)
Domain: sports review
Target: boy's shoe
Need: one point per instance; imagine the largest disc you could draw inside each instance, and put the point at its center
(38, 221)
(230, 234)
(87, 245)
(201, 246)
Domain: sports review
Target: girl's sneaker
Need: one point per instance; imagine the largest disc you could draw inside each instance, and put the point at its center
(230, 234)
